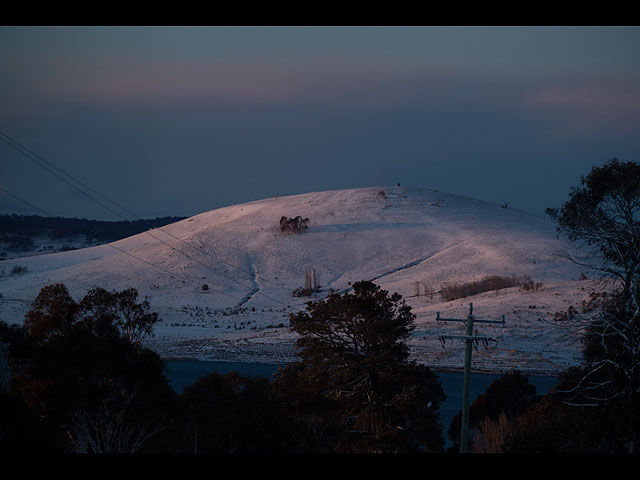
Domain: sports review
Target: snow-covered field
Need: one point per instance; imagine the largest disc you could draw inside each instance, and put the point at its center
(251, 269)
(43, 245)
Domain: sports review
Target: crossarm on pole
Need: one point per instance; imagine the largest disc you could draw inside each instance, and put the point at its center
(464, 320)
(470, 337)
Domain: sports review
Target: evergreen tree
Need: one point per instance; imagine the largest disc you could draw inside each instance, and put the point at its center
(354, 389)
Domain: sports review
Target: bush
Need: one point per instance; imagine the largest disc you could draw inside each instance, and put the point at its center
(18, 270)
(526, 283)
(453, 291)
(293, 225)
(494, 415)
(422, 289)
(17, 242)
(491, 435)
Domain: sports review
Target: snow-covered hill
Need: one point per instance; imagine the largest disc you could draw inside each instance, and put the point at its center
(396, 239)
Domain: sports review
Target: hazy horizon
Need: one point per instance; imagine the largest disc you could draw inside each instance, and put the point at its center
(175, 121)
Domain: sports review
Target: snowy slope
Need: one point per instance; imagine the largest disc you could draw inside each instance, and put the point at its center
(252, 268)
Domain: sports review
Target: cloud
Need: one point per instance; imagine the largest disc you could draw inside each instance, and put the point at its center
(330, 80)
(564, 105)
(606, 108)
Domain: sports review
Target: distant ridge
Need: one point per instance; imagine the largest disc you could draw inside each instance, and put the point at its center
(224, 281)
(19, 232)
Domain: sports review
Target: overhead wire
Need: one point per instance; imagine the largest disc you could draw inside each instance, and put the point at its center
(109, 244)
(168, 272)
(31, 205)
(34, 157)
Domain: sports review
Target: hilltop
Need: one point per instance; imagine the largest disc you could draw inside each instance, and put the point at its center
(223, 281)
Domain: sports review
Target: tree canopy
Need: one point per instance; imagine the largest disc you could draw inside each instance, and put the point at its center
(81, 369)
(232, 413)
(510, 395)
(602, 215)
(354, 388)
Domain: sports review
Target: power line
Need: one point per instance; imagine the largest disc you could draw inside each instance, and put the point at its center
(172, 274)
(111, 245)
(25, 202)
(45, 165)
(159, 267)
(34, 158)
(39, 161)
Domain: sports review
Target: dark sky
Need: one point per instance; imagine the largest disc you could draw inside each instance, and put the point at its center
(177, 121)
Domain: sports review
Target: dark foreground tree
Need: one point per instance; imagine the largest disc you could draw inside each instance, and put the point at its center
(555, 424)
(602, 216)
(499, 408)
(232, 414)
(596, 405)
(20, 429)
(354, 389)
(81, 371)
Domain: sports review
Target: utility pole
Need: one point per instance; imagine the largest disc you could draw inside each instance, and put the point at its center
(469, 338)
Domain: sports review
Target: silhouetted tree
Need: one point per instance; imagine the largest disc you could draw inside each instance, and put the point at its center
(511, 395)
(54, 312)
(596, 406)
(121, 310)
(354, 389)
(81, 369)
(602, 217)
(232, 414)
(20, 429)
(554, 424)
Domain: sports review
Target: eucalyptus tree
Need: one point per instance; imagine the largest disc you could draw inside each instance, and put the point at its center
(602, 217)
